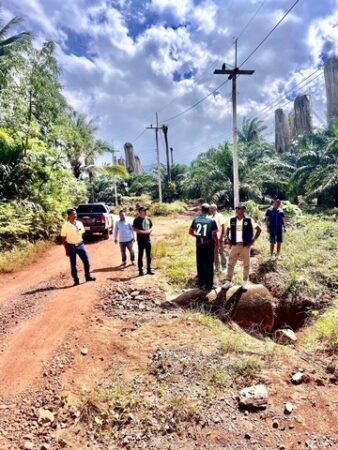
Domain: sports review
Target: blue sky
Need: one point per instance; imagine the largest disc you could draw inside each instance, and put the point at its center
(123, 60)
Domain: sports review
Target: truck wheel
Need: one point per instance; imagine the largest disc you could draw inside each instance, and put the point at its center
(106, 234)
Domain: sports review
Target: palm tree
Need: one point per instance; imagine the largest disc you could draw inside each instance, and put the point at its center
(210, 175)
(316, 174)
(252, 131)
(81, 145)
(7, 41)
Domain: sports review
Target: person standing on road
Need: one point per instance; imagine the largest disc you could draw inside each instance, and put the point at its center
(143, 227)
(220, 259)
(204, 229)
(275, 222)
(124, 230)
(240, 237)
(72, 238)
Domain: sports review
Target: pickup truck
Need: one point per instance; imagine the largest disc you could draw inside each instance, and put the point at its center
(96, 218)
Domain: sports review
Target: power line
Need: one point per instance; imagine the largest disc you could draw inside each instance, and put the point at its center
(138, 136)
(246, 60)
(252, 19)
(281, 103)
(270, 33)
(195, 104)
(276, 102)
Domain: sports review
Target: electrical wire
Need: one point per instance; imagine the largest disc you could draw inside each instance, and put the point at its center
(281, 104)
(276, 102)
(252, 19)
(270, 33)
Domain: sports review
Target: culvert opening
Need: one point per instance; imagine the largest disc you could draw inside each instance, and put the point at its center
(253, 309)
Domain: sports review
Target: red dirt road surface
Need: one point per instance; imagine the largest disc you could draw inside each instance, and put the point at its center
(33, 341)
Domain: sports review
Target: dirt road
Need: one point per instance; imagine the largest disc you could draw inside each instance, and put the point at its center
(39, 307)
(61, 307)
(59, 344)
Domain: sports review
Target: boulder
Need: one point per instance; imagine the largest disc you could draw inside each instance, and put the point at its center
(254, 396)
(285, 337)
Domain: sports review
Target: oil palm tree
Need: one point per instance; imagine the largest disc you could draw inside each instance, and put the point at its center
(7, 41)
(252, 131)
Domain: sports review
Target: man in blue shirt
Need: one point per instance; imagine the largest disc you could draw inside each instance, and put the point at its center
(124, 229)
(275, 222)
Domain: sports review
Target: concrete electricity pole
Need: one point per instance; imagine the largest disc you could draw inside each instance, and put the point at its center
(156, 128)
(165, 132)
(232, 75)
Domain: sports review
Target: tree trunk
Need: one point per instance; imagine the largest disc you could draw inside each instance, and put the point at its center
(331, 84)
(282, 131)
(303, 115)
(29, 120)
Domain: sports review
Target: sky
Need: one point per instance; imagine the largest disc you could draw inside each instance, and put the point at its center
(124, 60)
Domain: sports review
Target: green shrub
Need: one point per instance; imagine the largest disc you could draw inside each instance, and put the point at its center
(165, 209)
(324, 333)
(252, 210)
(290, 209)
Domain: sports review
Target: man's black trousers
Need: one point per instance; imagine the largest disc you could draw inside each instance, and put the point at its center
(144, 246)
(205, 264)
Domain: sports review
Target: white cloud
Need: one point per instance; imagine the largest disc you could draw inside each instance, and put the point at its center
(122, 71)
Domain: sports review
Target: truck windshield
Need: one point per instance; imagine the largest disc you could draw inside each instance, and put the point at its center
(87, 209)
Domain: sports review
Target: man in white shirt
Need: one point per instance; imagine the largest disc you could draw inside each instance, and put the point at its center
(220, 259)
(72, 238)
(242, 232)
(124, 230)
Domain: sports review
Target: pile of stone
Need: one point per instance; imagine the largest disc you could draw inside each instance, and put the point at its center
(119, 300)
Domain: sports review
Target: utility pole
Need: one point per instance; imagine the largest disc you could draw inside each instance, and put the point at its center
(172, 156)
(165, 132)
(232, 75)
(156, 128)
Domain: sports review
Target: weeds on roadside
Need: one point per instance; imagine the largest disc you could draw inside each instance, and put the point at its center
(24, 254)
(176, 258)
(324, 333)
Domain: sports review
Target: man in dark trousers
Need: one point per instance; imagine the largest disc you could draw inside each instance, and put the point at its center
(242, 232)
(204, 229)
(143, 227)
(275, 222)
(71, 234)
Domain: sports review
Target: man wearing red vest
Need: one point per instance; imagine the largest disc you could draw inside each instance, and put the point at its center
(240, 237)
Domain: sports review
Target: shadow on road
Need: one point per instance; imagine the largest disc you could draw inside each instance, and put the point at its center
(110, 269)
(46, 289)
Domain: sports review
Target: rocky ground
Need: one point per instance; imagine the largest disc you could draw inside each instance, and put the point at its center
(109, 366)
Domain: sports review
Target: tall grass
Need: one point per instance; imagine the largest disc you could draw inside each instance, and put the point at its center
(22, 255)
(309, 255)
(176, 257)
(324, 333)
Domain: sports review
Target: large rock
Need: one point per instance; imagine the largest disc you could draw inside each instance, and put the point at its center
(285, 337)
(254, 397)
(253, 308)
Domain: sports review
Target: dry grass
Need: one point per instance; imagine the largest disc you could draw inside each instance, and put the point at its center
(22, 255)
